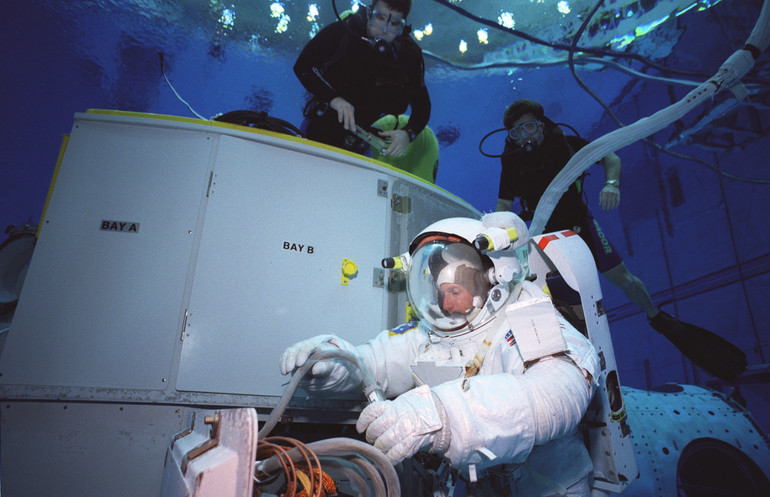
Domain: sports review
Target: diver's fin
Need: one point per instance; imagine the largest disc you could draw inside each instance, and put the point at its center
(706, 349)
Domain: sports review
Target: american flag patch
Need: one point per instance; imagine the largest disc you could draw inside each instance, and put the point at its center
(510, 338)
(403, 328)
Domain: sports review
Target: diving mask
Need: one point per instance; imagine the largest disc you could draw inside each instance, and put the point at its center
(386, 22)
(524, 130)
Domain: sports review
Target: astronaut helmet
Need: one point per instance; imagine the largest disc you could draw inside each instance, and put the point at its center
(456, 264)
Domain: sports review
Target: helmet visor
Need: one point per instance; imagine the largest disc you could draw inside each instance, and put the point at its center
(446, 284)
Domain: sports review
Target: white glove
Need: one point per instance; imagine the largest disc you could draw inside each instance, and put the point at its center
(296, 356)
(609, 197)
(411, 422)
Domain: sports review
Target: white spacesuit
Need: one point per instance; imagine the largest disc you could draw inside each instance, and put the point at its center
(492, 377)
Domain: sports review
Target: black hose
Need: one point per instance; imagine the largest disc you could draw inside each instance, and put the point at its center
(259, 120)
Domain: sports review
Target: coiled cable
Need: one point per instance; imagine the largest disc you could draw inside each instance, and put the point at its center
(367, 468)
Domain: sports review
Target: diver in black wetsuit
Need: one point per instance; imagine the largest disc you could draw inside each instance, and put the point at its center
(359, 69)
(536, 150)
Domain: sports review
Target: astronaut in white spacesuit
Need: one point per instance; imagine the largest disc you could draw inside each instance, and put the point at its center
(492, 377)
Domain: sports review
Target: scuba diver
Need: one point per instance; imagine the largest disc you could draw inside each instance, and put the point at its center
(361, 68)
(536, 150)
(491, 378)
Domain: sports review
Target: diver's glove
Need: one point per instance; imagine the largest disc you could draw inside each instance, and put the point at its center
(413, 421)
(330, 371)
(609, 197)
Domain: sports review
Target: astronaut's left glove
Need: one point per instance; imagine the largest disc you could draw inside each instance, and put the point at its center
(609, 197)
(413, 421)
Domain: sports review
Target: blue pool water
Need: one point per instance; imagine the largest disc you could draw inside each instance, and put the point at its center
(698, 239)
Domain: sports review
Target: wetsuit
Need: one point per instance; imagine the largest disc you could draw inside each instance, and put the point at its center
(337, 62)
(528, 174)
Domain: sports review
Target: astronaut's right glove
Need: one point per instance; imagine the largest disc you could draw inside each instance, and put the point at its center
(411, 422)
(323, 373)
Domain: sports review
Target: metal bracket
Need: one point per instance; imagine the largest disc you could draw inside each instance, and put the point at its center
(401, 204)
(185, 432)
(209, 444)
(396, 281)
(378, 278)
(382, 188)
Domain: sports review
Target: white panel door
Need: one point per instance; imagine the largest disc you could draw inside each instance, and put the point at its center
(269, 273)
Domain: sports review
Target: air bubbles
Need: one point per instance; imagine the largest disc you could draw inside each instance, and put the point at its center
(483, 36)
(312, 18)
(419, 34)
(312, 12)
(277, 11)
(505, 19)
(227, 18)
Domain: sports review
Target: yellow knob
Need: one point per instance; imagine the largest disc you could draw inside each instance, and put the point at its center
(349, 268)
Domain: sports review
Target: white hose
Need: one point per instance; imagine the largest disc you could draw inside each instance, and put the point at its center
(760, 36)
(356, 451)
(350, 470)
(371, 389)
(369, 462)
(728, 76)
